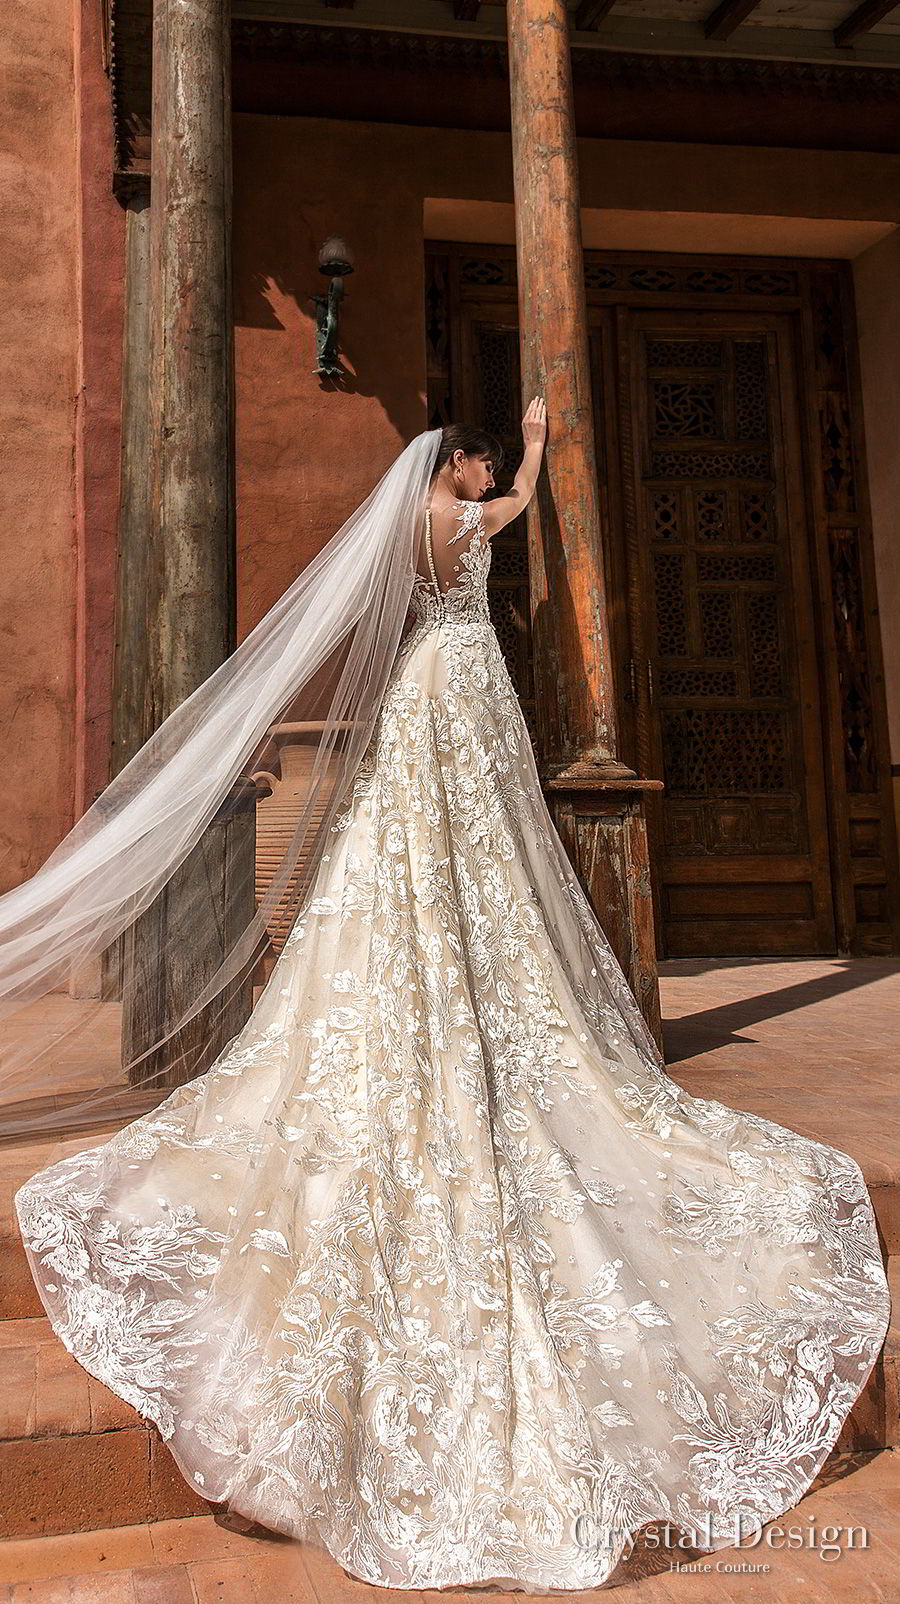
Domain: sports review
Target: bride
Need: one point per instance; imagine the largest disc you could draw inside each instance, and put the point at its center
(435, 1266)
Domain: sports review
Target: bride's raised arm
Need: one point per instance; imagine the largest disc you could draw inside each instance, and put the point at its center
(504, 509)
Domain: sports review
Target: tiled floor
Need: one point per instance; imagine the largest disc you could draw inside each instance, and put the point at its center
(809, 1042)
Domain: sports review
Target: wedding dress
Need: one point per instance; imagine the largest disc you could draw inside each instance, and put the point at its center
(435, 1266)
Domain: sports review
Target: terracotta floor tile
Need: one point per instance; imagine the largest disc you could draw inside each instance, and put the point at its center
(195, 1538)
(464, 1595)
(702, 1587)
(331, 1584)
(881, 1513)
(803, 1575)
(668, 1587)
(25, 1333)
(165, 1584)
(281, 1574)
(225, 1581)
(114, 1588)
(73, 1554)
(873, 1473)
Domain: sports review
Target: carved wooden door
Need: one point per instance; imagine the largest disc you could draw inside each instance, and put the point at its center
(723, 669)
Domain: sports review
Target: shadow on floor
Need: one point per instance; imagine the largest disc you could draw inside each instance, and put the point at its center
(711, 1028)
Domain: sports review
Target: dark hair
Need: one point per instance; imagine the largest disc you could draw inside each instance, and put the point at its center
(474, 442)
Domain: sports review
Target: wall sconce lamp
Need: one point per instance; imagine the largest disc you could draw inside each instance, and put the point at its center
(335, 261)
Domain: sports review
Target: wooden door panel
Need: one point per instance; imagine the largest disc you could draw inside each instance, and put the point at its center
(489, 395)
(727, 635)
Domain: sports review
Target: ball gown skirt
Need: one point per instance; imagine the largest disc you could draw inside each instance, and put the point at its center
(435, 1267)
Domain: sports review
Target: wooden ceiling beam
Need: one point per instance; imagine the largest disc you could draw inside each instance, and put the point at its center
(466, 10)
(590, 13)
(729, 15)
(861, 20)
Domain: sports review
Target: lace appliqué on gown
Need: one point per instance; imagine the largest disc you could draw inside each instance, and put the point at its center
(436, 1266)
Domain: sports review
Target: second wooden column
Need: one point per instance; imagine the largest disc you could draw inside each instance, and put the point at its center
(595, 798)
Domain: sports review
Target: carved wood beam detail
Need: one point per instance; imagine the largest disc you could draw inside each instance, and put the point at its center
(728, 16)
(862, 19)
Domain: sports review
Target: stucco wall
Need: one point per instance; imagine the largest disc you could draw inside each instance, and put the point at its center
(101, 245)
(59, 403)
(308, 451)
(38, 326)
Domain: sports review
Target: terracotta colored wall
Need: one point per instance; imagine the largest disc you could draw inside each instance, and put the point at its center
(38, 368)
(58, 423)
(309, 450)
(101, 245)
(876, 276)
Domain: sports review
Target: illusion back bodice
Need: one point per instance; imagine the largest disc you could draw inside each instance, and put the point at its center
(463, 597)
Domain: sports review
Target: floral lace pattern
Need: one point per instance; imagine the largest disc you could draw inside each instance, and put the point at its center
(436, 1267)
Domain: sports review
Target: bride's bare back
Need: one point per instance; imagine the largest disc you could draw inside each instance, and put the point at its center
(454, 524)
(453, 529)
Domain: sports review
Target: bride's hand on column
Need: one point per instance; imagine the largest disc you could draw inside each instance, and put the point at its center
(534, 423)
(503, 509)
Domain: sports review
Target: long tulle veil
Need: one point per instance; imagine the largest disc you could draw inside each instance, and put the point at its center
(133, 900)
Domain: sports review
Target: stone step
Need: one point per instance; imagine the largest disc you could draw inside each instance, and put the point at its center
(73, 1456)
(19, 1160)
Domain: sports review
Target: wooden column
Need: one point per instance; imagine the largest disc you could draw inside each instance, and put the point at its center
(188, 567)
(129, 719)
(130, 660)
(575, 688)
(596, 799)
(191, 366)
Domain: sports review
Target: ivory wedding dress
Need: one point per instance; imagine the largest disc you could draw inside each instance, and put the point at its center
(436, 1266)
